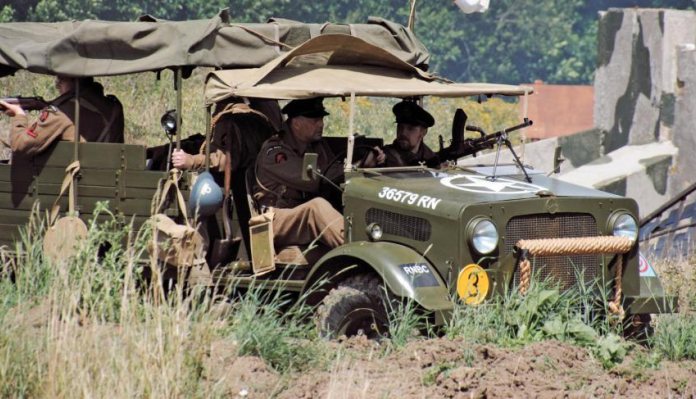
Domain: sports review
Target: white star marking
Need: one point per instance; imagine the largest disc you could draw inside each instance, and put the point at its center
(482, 185)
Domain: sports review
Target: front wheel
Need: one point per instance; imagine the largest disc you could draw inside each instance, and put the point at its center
(354, 308)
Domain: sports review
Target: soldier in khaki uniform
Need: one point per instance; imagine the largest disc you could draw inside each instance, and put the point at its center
(31, 139)
(301, 215)
(101, 117)
(408, 149)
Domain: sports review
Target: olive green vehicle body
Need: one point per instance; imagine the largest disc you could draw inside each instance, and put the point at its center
(425, 214)
(435, 234)
(556, 210)
(108, 172)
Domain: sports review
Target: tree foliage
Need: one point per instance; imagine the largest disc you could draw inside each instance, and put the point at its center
(514, 41)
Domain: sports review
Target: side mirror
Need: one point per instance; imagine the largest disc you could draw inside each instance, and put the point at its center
(309, 166)
(557, 159)
(168, 122)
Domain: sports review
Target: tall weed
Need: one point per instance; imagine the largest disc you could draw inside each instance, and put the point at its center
(675, 337)
(265, 324)
(93, 326)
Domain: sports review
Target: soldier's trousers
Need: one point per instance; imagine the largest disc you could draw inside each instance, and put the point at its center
(304, 223)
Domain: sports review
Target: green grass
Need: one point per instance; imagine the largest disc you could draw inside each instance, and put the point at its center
(675, 337)
(543, 313)
(91, 325)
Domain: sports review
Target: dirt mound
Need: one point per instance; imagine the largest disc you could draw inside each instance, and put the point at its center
(233, 376)
(455, 369)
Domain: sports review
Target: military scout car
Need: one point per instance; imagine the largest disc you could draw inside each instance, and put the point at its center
(435, 236)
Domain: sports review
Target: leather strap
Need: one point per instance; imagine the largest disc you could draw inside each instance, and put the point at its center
(172, 182)
(68, 184)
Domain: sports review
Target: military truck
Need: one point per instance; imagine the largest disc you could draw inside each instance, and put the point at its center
(436, 236)
(126, 175)
(433, 236)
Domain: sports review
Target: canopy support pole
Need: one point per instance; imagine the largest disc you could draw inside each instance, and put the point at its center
(351, 137)
(179, 96)
(412, 16)
(77, 119)
(208, 131)
(525, 115)
(76, 142)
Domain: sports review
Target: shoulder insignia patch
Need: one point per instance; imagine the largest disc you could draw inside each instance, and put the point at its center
(280, 157)
(44, 115)
(30, 131)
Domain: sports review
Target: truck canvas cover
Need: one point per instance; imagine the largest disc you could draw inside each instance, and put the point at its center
(103, 48)
(338, 66)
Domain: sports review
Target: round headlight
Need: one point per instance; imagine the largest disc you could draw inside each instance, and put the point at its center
(624, 225)
(374, 231)
(483, 236)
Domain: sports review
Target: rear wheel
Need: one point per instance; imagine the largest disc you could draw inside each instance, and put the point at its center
(355, 307)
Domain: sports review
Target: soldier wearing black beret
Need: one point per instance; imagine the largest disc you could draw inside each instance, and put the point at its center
(408, 149)
(300, 214)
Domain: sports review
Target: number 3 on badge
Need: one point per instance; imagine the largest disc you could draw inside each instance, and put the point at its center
(472, 284)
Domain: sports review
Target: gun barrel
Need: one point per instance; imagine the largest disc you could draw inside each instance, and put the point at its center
(27, 103)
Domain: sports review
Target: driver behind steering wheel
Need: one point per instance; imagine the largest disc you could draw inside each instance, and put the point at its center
(300, 213)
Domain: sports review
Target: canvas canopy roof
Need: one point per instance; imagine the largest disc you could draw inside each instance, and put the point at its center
(102, 48)
(336, 66)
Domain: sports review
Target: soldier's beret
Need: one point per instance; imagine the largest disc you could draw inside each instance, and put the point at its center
(411, 113)
(311, 108)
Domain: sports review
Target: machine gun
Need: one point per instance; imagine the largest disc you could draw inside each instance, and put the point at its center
(460, 147)
(27, 103)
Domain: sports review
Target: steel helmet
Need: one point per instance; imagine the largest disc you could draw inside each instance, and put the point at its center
(206, 196)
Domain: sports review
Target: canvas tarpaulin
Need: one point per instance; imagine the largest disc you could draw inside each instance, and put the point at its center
(337, 66)
(102, 48)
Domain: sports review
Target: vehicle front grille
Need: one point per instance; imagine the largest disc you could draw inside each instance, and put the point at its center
(397, 224)
(564, 269)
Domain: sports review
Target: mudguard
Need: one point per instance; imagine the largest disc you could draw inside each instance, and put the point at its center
(405, 272)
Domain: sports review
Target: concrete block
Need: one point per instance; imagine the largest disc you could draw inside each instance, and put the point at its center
(640, 172)
(684, 131)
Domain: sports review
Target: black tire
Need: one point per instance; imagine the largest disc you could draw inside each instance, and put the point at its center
(355, 307)
(638, 328)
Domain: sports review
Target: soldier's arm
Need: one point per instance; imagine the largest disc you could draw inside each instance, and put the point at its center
(25, 139)
(217, 161)
(33, 138)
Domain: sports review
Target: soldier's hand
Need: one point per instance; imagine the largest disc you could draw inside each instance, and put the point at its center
(12, 109)
(182, 160)
(380, 155)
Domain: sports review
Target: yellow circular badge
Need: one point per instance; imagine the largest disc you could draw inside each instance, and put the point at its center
(472, 284)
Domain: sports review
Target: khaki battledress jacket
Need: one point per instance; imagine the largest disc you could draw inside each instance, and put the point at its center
(301, 216)
(279, 171)
(30, 139)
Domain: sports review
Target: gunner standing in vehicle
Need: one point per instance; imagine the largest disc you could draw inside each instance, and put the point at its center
(300, 214)
(408, 149)
(101, 117)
